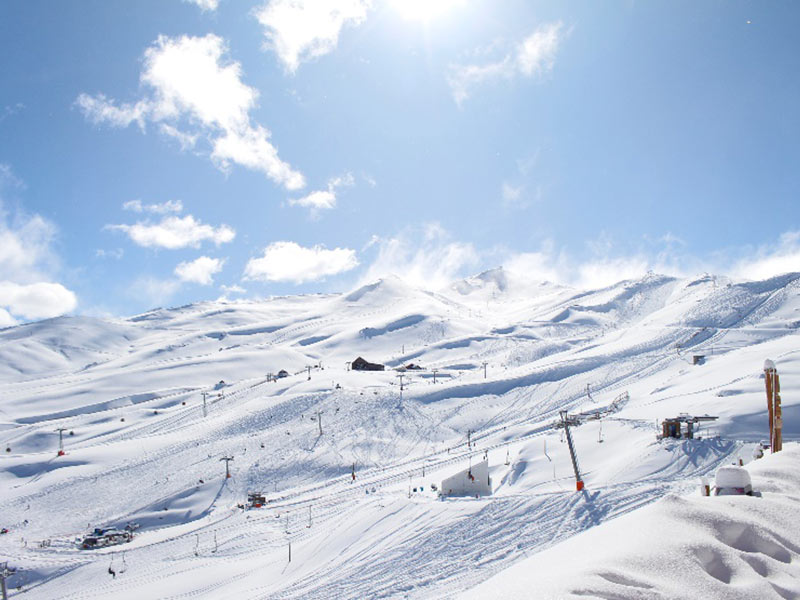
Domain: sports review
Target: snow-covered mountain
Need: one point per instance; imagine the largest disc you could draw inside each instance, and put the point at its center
(151, 404)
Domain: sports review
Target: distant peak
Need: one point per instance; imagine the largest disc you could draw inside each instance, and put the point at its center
(497, 276)
(389, 283)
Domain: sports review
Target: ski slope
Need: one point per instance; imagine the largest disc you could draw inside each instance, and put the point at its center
(500, 358)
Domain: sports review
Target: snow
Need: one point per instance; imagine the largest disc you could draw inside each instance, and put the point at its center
(140, 446)
(731, 477)
(679, 547)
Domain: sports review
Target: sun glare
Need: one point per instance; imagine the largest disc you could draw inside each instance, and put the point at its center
(423, 10)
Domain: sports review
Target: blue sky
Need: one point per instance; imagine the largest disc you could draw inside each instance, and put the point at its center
(166, 152)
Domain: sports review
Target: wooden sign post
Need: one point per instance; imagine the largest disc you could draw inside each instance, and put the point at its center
(773, 384)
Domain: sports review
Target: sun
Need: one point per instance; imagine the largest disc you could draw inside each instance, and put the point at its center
(423, 10)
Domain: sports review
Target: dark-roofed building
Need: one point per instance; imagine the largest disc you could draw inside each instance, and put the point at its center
(360, 364)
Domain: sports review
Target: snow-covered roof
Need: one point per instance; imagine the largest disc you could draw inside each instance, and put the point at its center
(732, 476)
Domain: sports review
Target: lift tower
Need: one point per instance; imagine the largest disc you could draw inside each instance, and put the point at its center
(566, 421)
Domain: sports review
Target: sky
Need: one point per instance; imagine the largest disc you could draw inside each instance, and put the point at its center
(158, 153)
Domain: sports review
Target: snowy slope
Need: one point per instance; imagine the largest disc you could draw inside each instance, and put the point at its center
(506, 355)
(680, 547)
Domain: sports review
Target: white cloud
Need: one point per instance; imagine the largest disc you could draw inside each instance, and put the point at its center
(201, 270)
(36, 300)
(154, 291)
(116, 254)
(26, 252)
(323, 199)
(512, 196)
(28, 263)
(6, 320)
(175, 232)
(538, 266)
(463, 78)
(430, 258)
(100, 110)
(251, 148)
(605, 265)
(319, 199)
(537, 52)
(187, 141)
(196, 92)
(371, 181)
(301, 30)
(170, 206)
(426, 257)
(232, 289)
(8, 179)
(534, 56)
(205, 5)
(771, 259)
(288, 261)
(9, 111)
(603, 272)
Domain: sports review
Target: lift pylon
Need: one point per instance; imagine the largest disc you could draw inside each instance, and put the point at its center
(566, 421)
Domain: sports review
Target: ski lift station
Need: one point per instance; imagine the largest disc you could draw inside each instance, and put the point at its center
(672, 428)
(474, 481)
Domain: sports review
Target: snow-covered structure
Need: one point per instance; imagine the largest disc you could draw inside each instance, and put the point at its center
(731, 481)
(474, 481)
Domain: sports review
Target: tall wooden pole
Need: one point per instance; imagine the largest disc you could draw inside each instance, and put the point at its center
(773, 385)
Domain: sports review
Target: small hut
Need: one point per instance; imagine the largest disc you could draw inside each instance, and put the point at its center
(360, 364)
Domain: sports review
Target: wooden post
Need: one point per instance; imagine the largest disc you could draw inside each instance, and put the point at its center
(777, 414)
(772, 383)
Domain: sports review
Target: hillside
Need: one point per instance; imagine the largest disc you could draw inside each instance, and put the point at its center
(500, 358)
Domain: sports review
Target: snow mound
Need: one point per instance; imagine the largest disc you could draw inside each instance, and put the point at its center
(679, 547)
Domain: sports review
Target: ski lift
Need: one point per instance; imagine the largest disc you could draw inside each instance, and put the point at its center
(111, 570)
